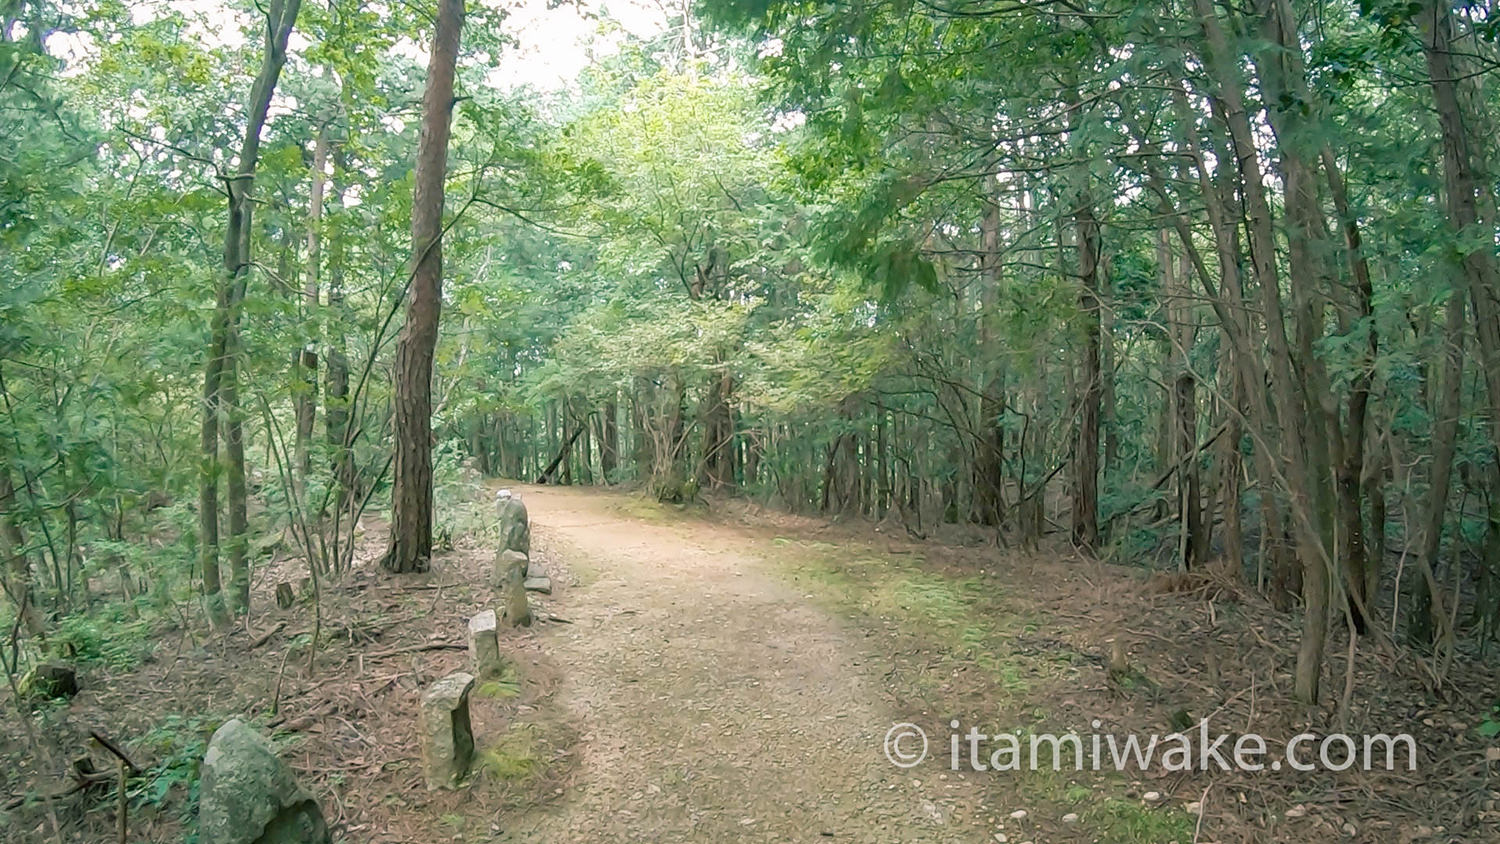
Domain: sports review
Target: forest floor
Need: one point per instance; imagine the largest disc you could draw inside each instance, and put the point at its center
(729, 674)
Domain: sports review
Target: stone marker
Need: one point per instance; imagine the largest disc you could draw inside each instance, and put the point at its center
(447, 738)
(249, 796)
(517, 610)
(484, 646)
(539, 584)
(515, 525)
(504, 561)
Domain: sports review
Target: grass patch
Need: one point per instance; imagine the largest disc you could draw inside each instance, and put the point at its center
(648, 509)
(1124, 821)
(507, 685)
(960, 616)
(514, 757)
(965, 619)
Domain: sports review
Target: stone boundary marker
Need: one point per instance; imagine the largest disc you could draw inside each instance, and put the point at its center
(249, 796)
(484, 646)
(447, 736)
(513, 574)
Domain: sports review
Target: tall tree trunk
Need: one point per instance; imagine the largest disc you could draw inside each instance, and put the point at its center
(1086, 444)
(209, 467)
(336, 412)
(411, 492)
(1444, 444)
(1349, 472)
(1292, 399)
(219, 403)
(1470, 196)
(307, 356)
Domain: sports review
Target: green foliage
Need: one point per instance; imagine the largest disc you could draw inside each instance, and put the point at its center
(177, 744)
(1490, 726)
(110, 638)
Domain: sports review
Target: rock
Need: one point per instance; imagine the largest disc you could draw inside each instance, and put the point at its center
(249, 796)
(1297, 811)
(51, 681)
(1152, 797)
(484, 645)
(515, 524)
(517, 609)
(1018, 815)
(447, 737)
(539, 584)
(504, 561)
(1071, 817)
(284, 595)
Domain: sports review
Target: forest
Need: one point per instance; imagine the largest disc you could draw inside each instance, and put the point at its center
(1193, 300)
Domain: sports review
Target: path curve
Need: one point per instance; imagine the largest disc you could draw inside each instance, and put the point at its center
(714, 701)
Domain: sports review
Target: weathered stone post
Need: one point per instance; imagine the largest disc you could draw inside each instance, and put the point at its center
(447, 737)
(515, 524)
(517, 608)
(249, 796)
(504, 560)
(484, 646)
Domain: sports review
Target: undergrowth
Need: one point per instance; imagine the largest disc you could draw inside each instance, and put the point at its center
(967, 621)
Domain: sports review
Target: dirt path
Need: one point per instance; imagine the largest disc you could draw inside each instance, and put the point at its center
(714, 702)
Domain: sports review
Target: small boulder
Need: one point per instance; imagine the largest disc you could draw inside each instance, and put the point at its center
(447, 736)
(249, 796)
(539, 584)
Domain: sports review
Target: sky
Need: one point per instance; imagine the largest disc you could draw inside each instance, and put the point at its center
(554, 43)
(555, 40)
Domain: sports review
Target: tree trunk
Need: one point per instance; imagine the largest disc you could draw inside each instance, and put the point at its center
(307, 356)
(1194, 541)
(1419, 627)
(1086, 445)
(17, 561)
(411, 492)
(219, 404)
(718, 433)
(1292, 398)
(1348, 482)
(609, 441)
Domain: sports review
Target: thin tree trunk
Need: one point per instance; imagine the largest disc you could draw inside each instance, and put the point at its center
(219, 404)
(336, 412)
(307, 356)
(1426, 603)
(411, 492)
(1086, 445)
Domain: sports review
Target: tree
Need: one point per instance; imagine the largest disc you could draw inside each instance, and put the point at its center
(411, 494)
(220, 380)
